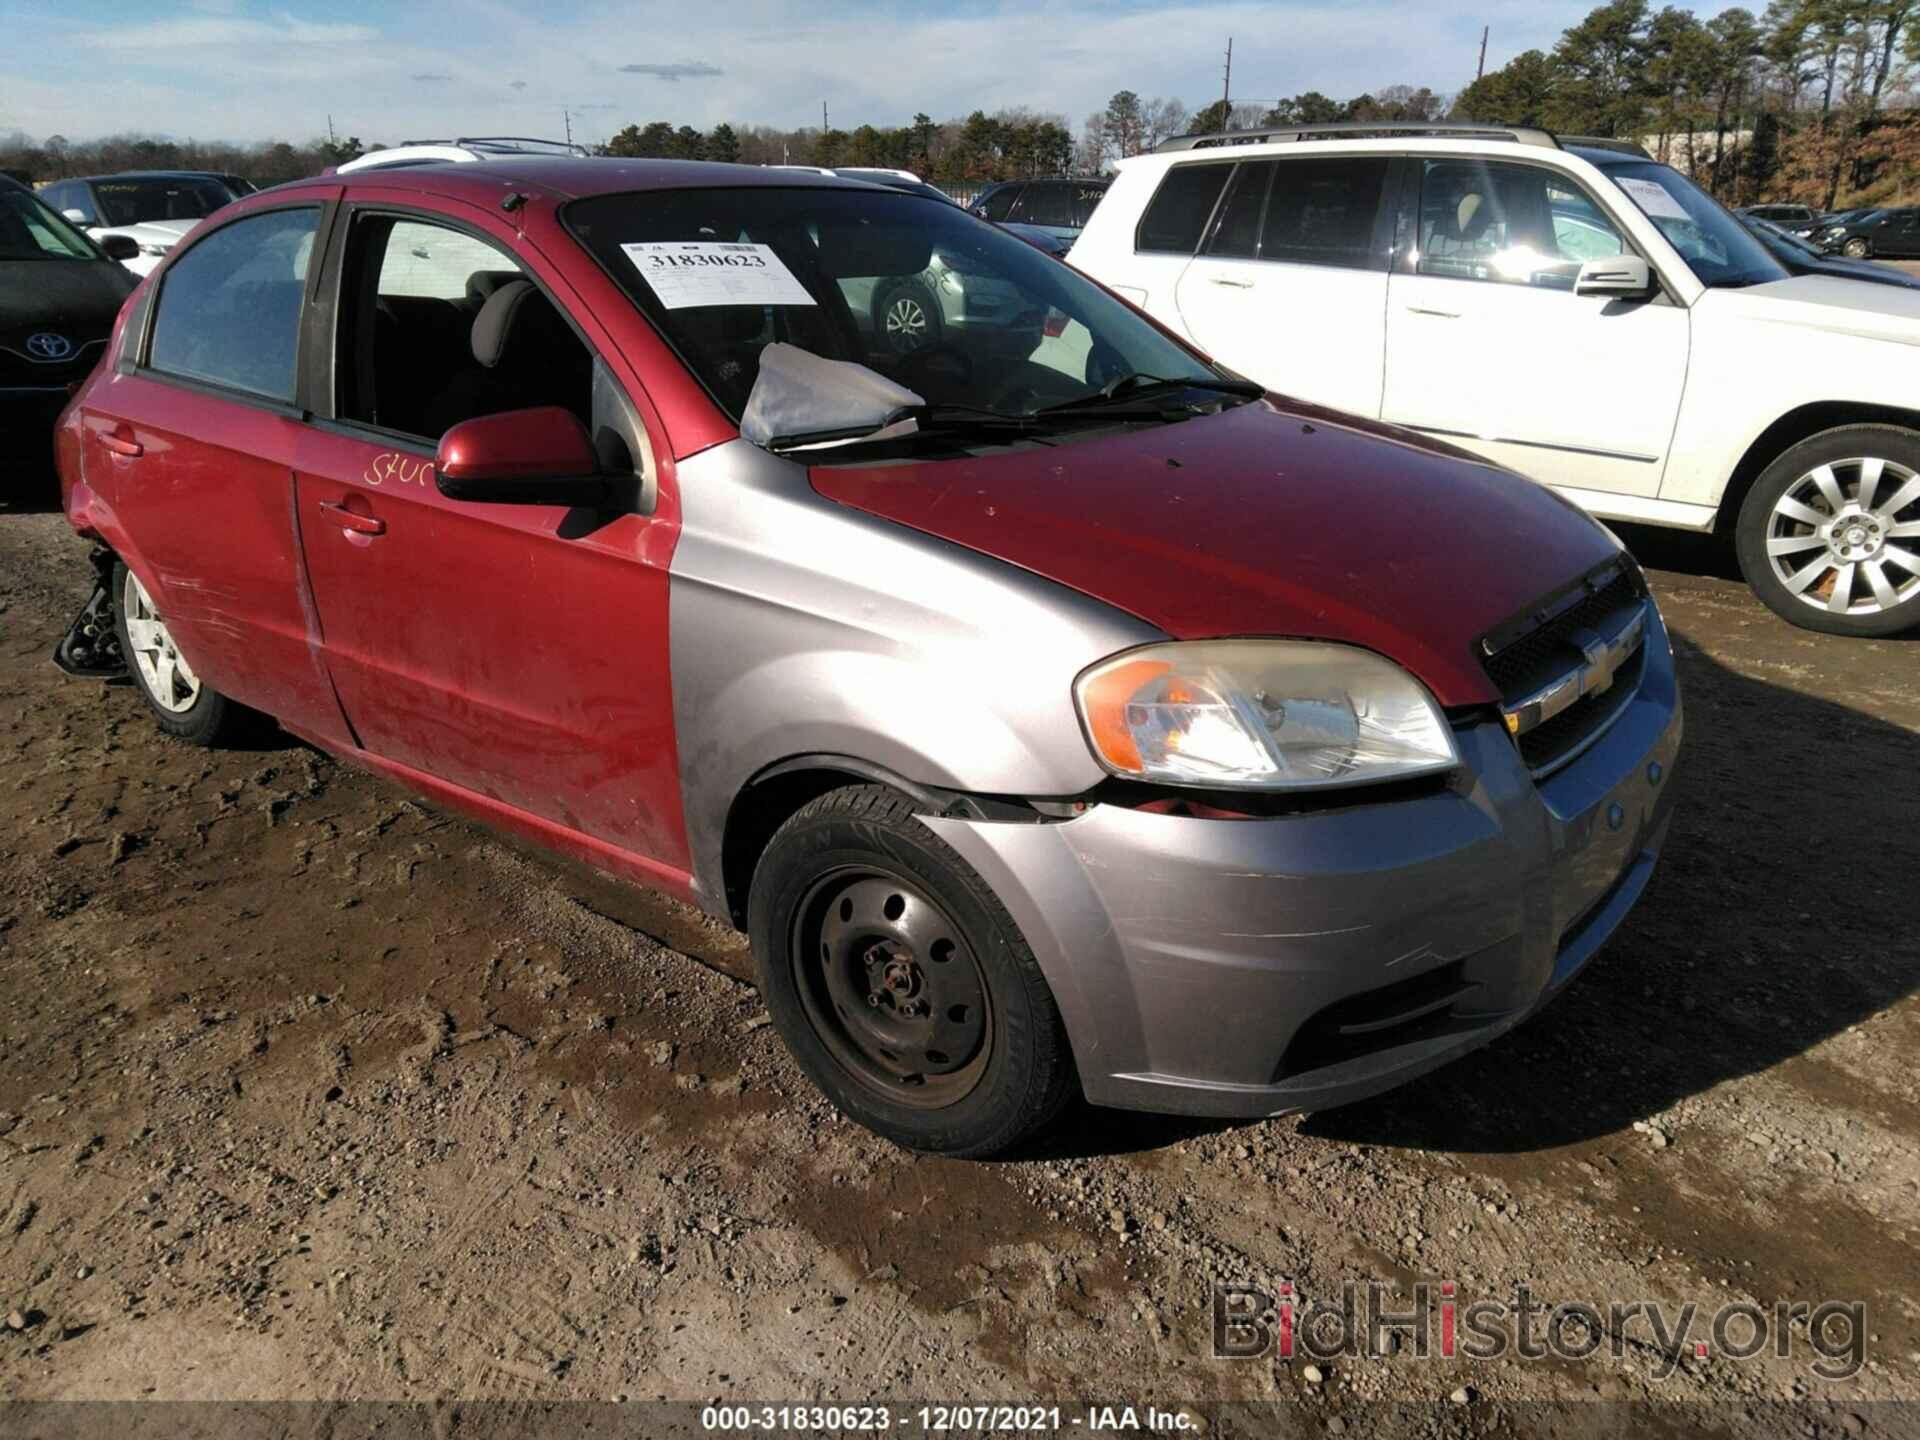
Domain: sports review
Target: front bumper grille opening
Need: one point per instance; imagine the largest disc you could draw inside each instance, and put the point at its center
(1546, 651)
(1405, 1011)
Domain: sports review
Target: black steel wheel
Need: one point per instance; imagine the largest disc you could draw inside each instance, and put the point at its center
(900, 982)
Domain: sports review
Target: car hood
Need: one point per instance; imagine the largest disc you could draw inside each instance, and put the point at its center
(1833, 303)
(75, 298)
(164, 233)
(1271, 518)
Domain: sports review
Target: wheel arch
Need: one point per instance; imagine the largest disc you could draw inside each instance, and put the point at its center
(773, 794)
(1801, 423)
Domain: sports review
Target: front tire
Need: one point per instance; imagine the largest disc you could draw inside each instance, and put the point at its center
(900, 983)
(183, 705)
(1829, 535)
(1856, 249)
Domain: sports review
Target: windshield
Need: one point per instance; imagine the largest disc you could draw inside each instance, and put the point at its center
(1776, 239)
(953, 309)
(30, 231)
(1716, 247)
(129, 202)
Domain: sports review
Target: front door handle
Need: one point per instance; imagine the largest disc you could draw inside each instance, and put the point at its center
(1437, 314)
(353, 520)
(1231, 284)
(119, 439)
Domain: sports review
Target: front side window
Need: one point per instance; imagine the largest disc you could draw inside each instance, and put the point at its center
(999, 203)
(1045, 204)
(439, 326)
(70, 197)
(132, 202)
(1181, 207)
(959, 312)
(1323, 212)
(229, 307)
(1509, 224)
(30, 231)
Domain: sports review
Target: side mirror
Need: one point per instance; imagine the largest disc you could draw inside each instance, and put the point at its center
(1623, 276)
(77, 216)
(120, 247)
(542, 456)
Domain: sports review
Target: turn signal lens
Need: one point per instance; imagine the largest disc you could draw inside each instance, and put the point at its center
(1262, 715)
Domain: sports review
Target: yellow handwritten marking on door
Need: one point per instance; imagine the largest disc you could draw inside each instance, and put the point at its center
(401, 469)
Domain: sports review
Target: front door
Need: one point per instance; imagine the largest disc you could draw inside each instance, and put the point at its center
(1488, 345)
(519, 652)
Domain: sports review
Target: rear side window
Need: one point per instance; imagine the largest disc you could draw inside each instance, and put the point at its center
(1323, 212)
(1085, 199)
(1045, 205)
(1237, 233)
(999, 202)
(1181, 207)
(229, 308)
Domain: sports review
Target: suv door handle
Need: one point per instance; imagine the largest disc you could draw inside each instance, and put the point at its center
(353, 520)
(1437, 314)
(1233, 284)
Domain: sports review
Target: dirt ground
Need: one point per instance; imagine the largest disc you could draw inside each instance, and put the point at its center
(308, 1092)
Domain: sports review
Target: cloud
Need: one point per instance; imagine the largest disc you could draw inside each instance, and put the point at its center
(516, 84)
(228, 32)
(685, 70)
(430, 79)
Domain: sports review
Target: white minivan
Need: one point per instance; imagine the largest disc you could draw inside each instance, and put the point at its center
(1572, 310)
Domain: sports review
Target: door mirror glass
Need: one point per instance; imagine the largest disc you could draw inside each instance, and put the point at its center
(1626, 276)
(541, 456)
(120, 247)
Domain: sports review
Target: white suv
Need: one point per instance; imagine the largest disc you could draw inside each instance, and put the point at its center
(1575, 311)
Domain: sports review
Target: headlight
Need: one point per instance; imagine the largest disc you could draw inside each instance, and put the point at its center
(1261, 715)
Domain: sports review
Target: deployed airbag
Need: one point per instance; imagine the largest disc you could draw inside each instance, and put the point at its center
(802, 399)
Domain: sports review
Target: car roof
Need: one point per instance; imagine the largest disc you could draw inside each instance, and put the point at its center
(149, 175)
(570, 178)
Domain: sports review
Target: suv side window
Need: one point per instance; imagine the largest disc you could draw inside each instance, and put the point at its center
(999, 202)
(1509, 224)
(1181, 207)
(229, 308)
(62, 198)
(1236, 234)
(1044, 203)
(439, 326)
(1323, 212)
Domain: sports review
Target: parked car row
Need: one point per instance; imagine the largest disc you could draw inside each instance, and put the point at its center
(153, 208)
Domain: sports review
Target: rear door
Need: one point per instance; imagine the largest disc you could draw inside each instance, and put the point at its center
(516, 652)
(1290, 284)
(1488, 345)
(192, 440)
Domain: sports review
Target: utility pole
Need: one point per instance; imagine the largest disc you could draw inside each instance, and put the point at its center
(566, 117)
(330, 141)
(823, 117)
(1481, 69)
(1226, 90)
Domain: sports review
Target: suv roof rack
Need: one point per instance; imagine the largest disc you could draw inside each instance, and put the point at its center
(1366, 129)
(509, 144)
(1608, 142)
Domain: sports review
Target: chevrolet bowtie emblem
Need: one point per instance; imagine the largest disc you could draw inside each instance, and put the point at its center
(1601, 658)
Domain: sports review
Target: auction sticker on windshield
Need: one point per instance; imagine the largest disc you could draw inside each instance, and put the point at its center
(1652, 197)
(687, 273)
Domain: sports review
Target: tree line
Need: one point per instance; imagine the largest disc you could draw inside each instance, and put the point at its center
(1809, 100)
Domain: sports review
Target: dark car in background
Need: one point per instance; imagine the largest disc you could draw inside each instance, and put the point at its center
(59, 293)
(1058, 205)
(1796, 219)
(1803, 257)
(154, 208)
(1887, 234)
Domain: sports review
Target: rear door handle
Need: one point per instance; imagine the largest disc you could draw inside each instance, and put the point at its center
(1437, 314)
(1231, 284)
(353, 520)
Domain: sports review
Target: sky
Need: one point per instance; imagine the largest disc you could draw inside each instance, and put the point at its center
(388, 70)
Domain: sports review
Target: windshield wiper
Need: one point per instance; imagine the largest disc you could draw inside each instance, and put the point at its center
(1137, 385)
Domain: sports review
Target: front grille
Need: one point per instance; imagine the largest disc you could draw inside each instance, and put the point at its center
(1533, 656)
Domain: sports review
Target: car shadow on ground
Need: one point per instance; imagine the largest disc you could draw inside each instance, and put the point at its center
(1737, 960)
(1659, 548)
